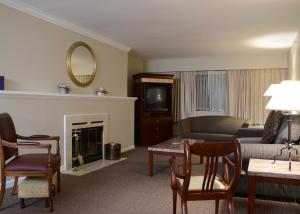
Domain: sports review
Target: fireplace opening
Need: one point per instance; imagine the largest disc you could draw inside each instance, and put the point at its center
(87, 145)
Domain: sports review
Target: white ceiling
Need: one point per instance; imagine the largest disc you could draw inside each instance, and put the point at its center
(157, 29)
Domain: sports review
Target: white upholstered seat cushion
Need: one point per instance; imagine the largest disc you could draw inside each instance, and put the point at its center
(34, 187)
(197, 181)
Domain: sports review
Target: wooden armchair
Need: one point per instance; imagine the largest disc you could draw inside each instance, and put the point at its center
(15, 165)
(208, 185)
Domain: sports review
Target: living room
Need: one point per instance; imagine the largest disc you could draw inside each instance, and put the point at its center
(250, 45)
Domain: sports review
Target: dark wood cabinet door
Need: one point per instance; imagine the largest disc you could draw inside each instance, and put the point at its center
(155, 130)
(148, 132)
(164, 129)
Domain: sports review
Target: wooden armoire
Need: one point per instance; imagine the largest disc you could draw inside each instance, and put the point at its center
(153, 108)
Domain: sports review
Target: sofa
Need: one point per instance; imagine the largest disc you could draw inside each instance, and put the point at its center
(211, 128)
(265, 143)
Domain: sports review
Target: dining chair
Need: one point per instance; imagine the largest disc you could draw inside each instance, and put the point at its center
(209, 184)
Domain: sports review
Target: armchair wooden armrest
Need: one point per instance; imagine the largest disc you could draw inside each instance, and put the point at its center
(227, 162)
(174, 172)
(29, 145)
(38, 137)
(174, 167)
(42, 137)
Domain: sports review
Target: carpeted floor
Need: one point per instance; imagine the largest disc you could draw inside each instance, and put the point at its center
(124, 188)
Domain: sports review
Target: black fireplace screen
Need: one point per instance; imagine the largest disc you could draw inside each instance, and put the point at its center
(87, 145)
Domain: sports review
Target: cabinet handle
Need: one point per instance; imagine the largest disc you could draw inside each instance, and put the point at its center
(157, 136)
(157, 129)
(157, 121)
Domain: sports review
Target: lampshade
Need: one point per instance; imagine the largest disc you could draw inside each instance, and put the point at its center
(286, 97)
(271, 90)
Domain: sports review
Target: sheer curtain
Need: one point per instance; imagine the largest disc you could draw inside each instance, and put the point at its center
(176, 96)
(202, 92)
(211, 88)
(245, 92)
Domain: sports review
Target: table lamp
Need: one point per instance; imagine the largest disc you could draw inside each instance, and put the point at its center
(286, 98)
(271, 90)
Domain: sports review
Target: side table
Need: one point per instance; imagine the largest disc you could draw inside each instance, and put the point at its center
(266, 171)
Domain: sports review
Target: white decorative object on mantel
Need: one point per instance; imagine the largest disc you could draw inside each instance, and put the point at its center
(101, 91)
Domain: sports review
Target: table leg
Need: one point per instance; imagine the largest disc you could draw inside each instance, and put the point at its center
(150, 163)
(251, 192)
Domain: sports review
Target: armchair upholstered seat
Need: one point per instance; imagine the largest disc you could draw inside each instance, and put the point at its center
(197, 181)
(32, 163)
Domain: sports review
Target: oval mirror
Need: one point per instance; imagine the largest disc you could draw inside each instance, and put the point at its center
(81, 64)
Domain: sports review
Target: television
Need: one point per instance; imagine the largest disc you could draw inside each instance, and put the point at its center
(157, 98)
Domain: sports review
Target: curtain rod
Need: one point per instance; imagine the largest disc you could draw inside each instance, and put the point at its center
(221, 70)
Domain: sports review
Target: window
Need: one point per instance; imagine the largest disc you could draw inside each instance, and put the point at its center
(211, 91)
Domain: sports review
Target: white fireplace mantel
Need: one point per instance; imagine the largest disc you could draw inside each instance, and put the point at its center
(45, 95)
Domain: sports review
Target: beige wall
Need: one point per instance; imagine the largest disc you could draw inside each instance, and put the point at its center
(33, 56)
(294, 61)
(135, 65)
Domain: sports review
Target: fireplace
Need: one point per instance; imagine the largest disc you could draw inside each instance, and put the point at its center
(84, 138)
(87, 144)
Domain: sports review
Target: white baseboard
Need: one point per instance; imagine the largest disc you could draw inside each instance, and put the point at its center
(128, 148)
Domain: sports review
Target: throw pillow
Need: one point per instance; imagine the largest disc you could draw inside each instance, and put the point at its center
(271, 127)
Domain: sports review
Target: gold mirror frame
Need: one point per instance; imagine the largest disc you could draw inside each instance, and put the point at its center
(69, 65)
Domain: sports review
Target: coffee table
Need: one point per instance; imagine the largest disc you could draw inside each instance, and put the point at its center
(172, 147)
(260, 170)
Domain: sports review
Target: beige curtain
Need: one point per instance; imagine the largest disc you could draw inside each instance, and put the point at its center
(246, 88)
(176, 100)
(176, 96)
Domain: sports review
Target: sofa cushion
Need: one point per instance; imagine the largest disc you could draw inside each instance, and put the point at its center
(250, 132)
(283, 130)
(210, 136)
(250, 140)
(271, 127)
(216, 124)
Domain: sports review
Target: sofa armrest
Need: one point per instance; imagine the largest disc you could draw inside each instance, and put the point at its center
(250, 132)
(264, 151)
(184, 127)
(250, 140)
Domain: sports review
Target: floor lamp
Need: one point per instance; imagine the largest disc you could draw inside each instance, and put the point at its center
(286, 98)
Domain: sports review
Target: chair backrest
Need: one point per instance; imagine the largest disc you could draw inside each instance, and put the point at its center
(8, 133)
(212, 152)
